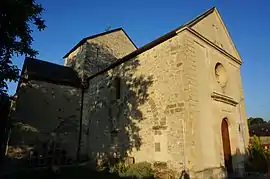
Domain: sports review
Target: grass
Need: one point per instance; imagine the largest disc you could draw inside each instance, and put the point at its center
(63, 173)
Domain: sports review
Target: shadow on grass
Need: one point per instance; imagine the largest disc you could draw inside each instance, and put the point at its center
(63, 173)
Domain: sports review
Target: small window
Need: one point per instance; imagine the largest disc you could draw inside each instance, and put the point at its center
(157, 147)
(117, 87)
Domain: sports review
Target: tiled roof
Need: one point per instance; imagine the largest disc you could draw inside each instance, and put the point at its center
(50, 72)
(260, 129)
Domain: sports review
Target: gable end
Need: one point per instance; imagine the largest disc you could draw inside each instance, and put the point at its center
(211, 26)
(97, 35)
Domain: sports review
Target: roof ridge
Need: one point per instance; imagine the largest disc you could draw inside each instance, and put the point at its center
(201, 16)
(42, 61)
(97, 35)
(189, 23)
(155, 42)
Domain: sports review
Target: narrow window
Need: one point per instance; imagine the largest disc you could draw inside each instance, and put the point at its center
(157, 147)
(117, 87)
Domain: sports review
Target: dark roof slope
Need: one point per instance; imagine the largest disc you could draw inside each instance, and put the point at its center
(50, 72)
(155, 42)
(97, 35)
(260, 129)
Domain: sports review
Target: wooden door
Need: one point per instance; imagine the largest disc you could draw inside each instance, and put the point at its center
(226, 146)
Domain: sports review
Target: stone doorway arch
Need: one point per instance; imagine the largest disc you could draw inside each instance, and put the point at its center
(226, 145)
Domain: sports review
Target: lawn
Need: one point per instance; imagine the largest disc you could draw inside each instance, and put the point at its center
(63, 173)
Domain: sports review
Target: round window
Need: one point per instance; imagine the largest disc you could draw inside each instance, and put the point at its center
(221, 75)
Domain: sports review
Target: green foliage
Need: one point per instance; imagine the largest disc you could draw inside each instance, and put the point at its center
(259, 157)
(119, 168)
(17, 20)
(256, 120)
(256, 150)
(140, 170)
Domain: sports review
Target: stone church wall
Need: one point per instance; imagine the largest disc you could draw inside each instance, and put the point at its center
(98, 53)
(209, 102)
(149, 117)
(165, 105)
(41, 112)
(167, 111)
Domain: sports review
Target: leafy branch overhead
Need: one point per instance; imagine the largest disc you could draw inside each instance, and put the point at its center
(18, 19)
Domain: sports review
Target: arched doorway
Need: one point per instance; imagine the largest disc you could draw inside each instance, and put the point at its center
(226, 145)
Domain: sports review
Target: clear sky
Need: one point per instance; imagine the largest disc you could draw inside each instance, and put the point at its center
(248, 22)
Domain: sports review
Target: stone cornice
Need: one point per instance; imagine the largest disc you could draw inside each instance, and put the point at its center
(195, 33)
(223, 98)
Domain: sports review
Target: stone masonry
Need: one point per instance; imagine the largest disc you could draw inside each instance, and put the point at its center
(171, 105)
(43, 110)
(97, 53)
(164, 103)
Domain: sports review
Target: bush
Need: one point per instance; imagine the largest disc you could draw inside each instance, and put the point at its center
(119, 168)
(140, 170)
(258, 157)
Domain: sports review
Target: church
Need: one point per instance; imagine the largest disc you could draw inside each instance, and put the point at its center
(176, 101)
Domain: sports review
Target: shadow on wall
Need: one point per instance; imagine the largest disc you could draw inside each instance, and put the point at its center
(92, 58)
(45, 121)
(112, 104)
(184, 175)
(221, 172)
(210, 173)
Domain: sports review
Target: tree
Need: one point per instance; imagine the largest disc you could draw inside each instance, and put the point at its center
(258, 156)
(256, 120)
(18, 18)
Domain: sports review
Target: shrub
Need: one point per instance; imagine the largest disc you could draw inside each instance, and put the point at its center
(119, 168)
(258, 158)
(140, 170)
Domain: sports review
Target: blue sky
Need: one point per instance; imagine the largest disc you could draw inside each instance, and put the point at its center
(248, 22)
